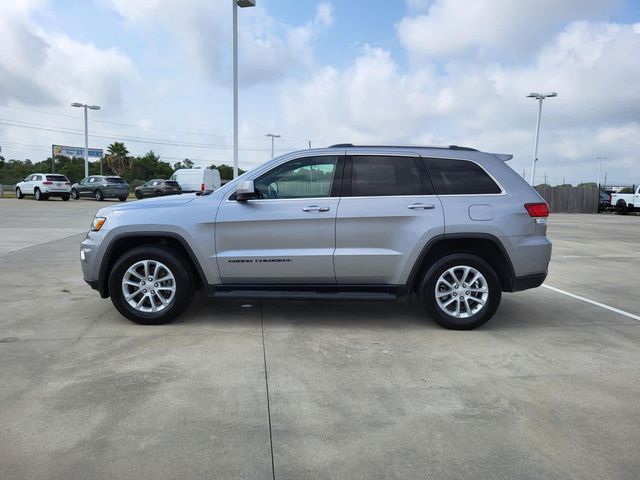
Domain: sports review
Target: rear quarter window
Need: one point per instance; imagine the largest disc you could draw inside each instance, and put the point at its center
(459, 177)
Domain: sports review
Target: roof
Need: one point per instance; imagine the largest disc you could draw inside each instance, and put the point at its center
(441, 147)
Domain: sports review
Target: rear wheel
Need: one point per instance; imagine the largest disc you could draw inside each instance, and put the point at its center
(122, 199)
(74, 194)
(38, 194)
(98, 195)
(622, 208)
(65, 198)
(150, 285)
(461, 292)
(19, 194)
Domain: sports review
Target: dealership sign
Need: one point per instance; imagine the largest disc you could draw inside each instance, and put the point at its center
(75, 151)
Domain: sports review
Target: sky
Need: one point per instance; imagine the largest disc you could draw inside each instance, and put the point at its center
(420, 72)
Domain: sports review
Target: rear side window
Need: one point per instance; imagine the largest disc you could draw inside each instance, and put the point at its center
(171, 183)
(115, 180)
(57, 178)
(459, 177)
(374, 176)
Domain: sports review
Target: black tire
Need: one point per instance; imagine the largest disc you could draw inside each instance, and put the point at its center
(38, 194)
(98, 195)
(65, 198)
(123, 199)
(74, 194)
(139, 195)
(428, 292)
(622, 208)
(19, 194)
(183, 283)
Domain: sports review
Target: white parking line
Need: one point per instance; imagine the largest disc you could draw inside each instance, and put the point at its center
(593, 302)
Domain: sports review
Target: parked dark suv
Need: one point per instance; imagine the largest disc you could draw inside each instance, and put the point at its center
(101, 187)
(158, 188)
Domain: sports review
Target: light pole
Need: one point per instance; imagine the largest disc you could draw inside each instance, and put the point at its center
(86, 134)
(236, 4)
(540, 97)
(273, 137)
(599, 158)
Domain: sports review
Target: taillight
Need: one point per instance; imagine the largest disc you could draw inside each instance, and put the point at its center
(537, 209)
(203, 187)
(47, 183)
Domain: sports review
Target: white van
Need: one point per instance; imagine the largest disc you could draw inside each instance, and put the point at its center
(197, 179)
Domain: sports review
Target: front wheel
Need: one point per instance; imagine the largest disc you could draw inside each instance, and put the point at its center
(150, 285)
(19, 194)
(98, 195)
(461, 292)
(74, 194)
(138, 194)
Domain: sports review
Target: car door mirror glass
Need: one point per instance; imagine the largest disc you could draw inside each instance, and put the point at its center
(246, 191)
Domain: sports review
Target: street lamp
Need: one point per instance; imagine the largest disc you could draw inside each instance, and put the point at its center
(273, 137)
(599, 158)
(540, 97)
(86, 135)
(236, 4)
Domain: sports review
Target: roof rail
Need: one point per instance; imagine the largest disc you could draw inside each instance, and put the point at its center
(446, 147)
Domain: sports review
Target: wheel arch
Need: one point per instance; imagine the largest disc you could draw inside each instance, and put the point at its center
(485, 246)
(125, 241)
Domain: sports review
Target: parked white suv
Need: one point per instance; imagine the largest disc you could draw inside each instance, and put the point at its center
(44, 185)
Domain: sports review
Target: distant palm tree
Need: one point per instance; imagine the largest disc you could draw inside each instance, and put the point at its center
(117, 158)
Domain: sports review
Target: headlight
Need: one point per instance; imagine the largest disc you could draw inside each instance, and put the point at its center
(97, 223)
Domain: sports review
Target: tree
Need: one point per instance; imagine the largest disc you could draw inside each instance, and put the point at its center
(117, 158)
(588, 184)
(226, 171)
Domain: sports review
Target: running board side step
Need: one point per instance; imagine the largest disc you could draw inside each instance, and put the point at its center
(302, 295)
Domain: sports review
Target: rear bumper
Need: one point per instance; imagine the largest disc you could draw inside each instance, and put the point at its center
(528, 281)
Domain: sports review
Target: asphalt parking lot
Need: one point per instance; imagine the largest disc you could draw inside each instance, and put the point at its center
(549, 388)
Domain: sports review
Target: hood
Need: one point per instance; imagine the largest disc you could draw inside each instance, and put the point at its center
(156, 202)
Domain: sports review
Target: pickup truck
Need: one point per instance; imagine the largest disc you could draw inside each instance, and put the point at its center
(626, 202)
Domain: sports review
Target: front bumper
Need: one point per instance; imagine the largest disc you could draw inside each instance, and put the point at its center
(89, 255)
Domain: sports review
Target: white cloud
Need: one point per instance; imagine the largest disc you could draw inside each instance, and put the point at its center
(37, 67)
(488, 27)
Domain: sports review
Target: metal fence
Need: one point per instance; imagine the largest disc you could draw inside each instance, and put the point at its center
(566, 199)
(7, 190)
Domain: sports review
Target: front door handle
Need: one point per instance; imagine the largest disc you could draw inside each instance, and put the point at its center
(315, 208)
(421, 206)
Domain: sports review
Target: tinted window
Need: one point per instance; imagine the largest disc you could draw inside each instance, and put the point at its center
(37, 177)
(115, 180)
(459, 177)
(171, 183)
(302, 178)
(376, 176)
(57, 178)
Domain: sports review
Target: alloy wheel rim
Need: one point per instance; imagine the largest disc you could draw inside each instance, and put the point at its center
(149, 286)
(461, 291)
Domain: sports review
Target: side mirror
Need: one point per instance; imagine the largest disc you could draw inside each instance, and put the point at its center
(246, 191)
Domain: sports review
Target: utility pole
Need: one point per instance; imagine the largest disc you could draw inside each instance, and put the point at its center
(545, 178)
(273, 137)
(86, 133)
(309, 143)
(599, 158)
(236, 4)
(540, 97)
(524, 172)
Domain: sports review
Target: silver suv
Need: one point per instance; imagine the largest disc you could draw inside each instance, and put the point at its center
(451, 224)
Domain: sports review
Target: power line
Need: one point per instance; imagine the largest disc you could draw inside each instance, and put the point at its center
(107, 122)
(128, 138)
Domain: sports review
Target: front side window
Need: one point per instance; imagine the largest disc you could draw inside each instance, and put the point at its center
(374, 176)
(459, 177)
(309, 177)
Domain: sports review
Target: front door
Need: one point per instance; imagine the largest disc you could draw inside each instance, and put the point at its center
(387, 213)
(287, 234)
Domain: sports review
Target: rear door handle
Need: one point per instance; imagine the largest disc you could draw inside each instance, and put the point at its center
(421, 206)
(315, 208)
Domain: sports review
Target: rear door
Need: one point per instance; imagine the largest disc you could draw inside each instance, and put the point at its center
(287, 235)
(387, 214)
